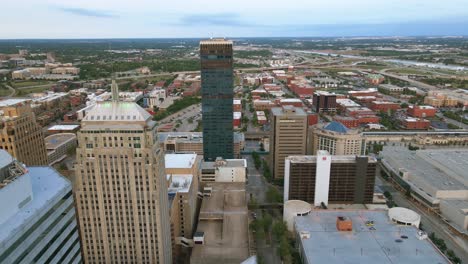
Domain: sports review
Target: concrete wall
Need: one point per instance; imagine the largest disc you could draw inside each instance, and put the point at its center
(454, 214)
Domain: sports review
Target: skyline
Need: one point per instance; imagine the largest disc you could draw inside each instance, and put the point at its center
(197, 19)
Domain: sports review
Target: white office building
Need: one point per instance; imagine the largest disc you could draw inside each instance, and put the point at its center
(37, 215)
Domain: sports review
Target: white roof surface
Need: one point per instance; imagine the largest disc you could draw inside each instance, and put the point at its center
(117, 111)
(180, 183)
(180, 161)
(10, 102)
(237, 115)
(64, 127)
(47, 186)
(380, 243)
(403, 215)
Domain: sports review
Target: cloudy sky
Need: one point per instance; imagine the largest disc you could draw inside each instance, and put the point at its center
(235, 18)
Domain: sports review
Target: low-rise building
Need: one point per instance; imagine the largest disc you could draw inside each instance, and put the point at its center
(260, 105)
(261, 118)
(422, 111)
(384, 106)
(237, 105)
(435, 177)
(375, 79)
(361, 236)
(224, 170)
(416, 123)
(390, 88)
(236, 119)
(59, 145)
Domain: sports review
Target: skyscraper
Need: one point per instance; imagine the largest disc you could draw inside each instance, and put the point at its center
(37, 216)
(217, 98)
(120, 187)
(288, 136)
(20, 135)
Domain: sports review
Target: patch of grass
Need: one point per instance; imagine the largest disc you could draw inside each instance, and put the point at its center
(27, 91)
(19, 84)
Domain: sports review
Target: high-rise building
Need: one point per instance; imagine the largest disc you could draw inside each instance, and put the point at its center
(337, 139)
(37, 216)
(288, 136)
(217, 98)
(324, 101)
(120, 187)
(330, 179)
(20, 135)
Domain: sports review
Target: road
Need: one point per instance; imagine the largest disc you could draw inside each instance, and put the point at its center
(184, 115)
(451, 121)
(430, 222)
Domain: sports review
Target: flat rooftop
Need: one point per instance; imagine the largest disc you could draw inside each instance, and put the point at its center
(290, 110)
(229, 163)
(180, 183)
(430, 170)
(193, 136)
(388, 243)
(47, 185)
(224, 220)
(180, 161)
(11, 102)
(55, 140)
(63, 127)
(335, 159)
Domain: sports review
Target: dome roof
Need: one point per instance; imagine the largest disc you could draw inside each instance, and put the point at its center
(336, 127)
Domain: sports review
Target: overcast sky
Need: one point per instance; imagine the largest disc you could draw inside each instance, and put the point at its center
(230, 18)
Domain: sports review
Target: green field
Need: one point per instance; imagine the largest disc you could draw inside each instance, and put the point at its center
(19, 84)
(24, 92)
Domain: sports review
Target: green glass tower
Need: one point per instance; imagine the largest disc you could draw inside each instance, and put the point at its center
(217, 97)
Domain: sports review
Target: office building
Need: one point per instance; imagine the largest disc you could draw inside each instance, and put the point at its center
(224, 170)
(121, 187)
(335, 138)
(217, 82)
(20, 135)
(288, 136)
(323, 101)
(37, 216)
(330, 179)
(59, 146)
(324, 237)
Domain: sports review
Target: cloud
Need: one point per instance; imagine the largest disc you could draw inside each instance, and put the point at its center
(87, 12)
(220, 19)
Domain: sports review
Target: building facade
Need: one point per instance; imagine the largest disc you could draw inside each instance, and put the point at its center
(324, 101)
(330, 179)
(224, 170)
(217, 80)
(120, 187)
(20, 135)
(335, 138)
(37, 219)
(288, 136)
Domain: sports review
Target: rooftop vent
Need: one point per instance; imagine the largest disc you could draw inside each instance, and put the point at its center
(344, 223)
(304, 234)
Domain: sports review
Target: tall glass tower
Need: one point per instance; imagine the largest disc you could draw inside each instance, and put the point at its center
(217, 98)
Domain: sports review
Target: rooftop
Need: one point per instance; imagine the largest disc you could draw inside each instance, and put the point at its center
(55, 140)
(193, 136)
(180, 161)
(288, 110)
(335, 158)
(384, 242)
(216, 41)
(11, 102)
(47, 185)
(63, 127)
(225, 163)
(180, 183)
(223, 219)
(430, 170)
(336, 127)
(116, 111)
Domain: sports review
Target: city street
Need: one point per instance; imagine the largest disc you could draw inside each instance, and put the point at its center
(184, 115)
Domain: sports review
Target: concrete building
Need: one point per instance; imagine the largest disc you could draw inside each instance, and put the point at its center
(20, 135)
(217, 80)
(435, 177)
(224, 170)
(193, 142)
(37, 216)
(373, 239)
(293, 208)
(222, 230)
(58, 146)
(288, 136)
(384, 106)
(335, 138)
(415, 123)
(323, 101)
(330, 179)
(121, 186)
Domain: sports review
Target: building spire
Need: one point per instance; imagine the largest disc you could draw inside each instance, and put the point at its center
(115, 91)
